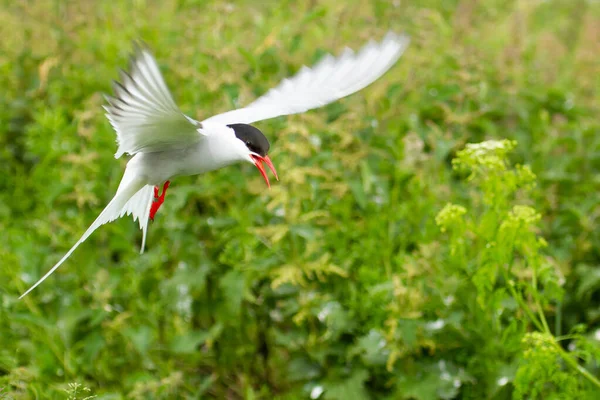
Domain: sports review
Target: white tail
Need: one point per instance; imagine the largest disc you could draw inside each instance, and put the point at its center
(139, 204)
(139, 208)
(132, 197)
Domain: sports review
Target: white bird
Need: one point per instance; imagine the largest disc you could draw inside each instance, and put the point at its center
(165, 143)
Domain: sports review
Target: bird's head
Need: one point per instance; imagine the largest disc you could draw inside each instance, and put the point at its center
(257, 147)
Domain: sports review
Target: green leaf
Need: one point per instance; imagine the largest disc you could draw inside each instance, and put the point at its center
(302, 369)
(233, 285)
(188, 343)
(352, 388)
(141, 337)
(372, 349)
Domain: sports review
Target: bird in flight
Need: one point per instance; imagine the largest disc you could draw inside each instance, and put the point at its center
(165, 143)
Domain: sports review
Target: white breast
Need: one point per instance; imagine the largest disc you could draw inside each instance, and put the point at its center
(217, 150)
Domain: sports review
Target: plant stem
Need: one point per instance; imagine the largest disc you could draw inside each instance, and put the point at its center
(565, 356)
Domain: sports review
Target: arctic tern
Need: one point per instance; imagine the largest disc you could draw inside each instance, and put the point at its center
(165, 143)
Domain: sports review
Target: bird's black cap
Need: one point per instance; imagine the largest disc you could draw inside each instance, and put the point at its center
(252, 137)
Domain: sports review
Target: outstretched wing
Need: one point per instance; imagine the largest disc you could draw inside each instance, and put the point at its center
(143, 113)
(329, 80)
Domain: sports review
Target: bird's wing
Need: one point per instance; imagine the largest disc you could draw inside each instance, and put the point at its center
(329, 80)
(143, 113)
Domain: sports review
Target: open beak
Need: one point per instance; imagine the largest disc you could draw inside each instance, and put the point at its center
(258, 161)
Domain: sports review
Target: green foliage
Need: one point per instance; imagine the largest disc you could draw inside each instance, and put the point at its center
(505, 262)
(434, 236)
(540, 375)
(76, 391)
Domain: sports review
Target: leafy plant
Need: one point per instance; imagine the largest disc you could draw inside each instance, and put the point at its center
(77, 391)
(503, 257)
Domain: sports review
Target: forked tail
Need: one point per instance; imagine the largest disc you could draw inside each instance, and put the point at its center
(132, 197)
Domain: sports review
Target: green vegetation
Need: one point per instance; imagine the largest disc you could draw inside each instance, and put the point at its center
(434, 236)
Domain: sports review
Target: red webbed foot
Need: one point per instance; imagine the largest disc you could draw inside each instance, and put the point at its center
(158, 200)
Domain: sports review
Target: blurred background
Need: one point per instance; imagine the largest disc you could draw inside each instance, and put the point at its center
(375, 268)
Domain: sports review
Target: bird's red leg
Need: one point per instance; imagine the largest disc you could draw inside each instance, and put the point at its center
(158, 200)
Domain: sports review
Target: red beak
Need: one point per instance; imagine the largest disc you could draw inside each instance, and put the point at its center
(258, 160)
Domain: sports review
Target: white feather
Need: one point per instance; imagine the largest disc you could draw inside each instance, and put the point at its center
(143, 113)
(329, 80)
(115, 209)
(138, 206)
